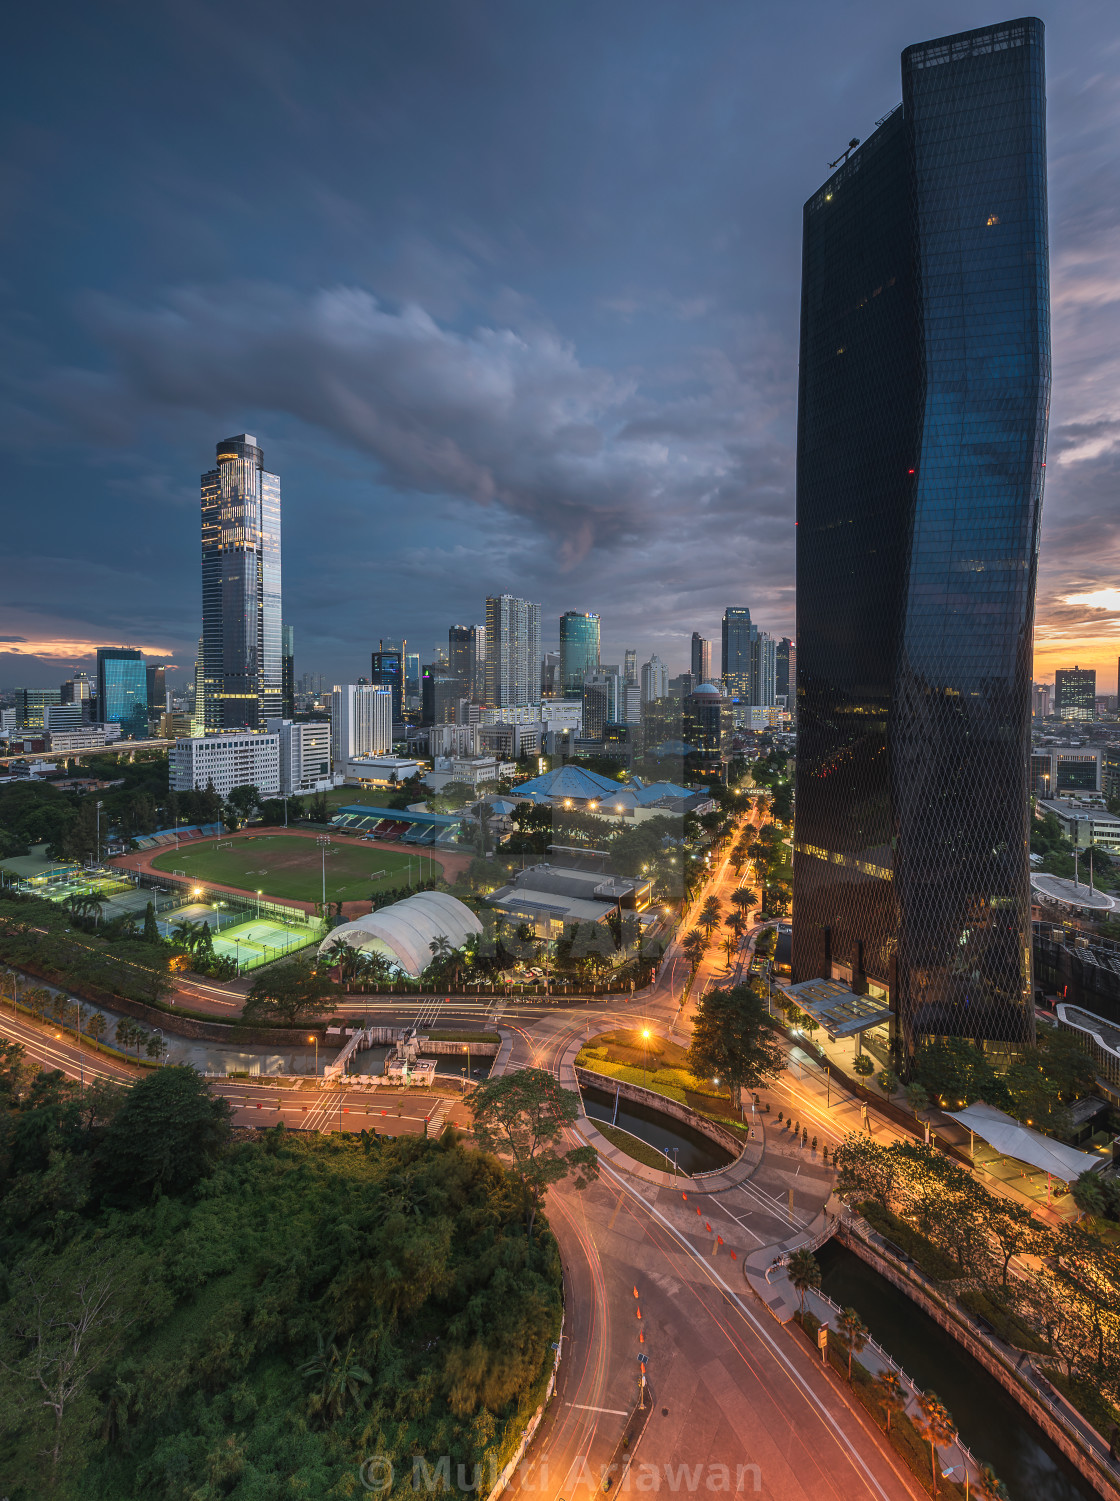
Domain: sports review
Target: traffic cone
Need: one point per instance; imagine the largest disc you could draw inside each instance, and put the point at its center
(641, 1337)
(639, 1312)
(706, 1225)
(635, 1292)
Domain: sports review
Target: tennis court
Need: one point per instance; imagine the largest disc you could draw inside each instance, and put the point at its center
(259, 941)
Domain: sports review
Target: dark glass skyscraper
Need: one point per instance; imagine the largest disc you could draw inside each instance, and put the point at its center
(122, 690)
(579, 650)
(242, 677)
(923, 403)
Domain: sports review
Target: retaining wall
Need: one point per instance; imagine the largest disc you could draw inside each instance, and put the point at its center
(1085, 1462)
(650, 1097)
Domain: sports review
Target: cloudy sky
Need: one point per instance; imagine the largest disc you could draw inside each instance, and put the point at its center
(508, 292)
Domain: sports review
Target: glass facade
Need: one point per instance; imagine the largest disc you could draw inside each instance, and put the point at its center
(122, 690)
(1075, 693)
(737, 638)
(923, 403)
(387, 671)
(242, 673)
(579, 650)
(288, 671)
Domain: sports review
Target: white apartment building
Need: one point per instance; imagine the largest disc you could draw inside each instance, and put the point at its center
(361, 721)
(305, 755)
(453, 740)
(224, 761)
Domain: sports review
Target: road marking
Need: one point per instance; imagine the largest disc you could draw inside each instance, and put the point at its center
(615, 1412)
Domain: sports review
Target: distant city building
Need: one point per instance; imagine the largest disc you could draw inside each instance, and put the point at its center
(288, 671)
(550, 675)
(513, 651)
(224, 761)
(1075, 693)
(655, 679)
(78, 689)
(440, 693)
(60, 717)
(305, 755)
(601, 702)
(30, 704)
(701, 664)
(764, 671)
(361, 721)
(630, 703)
(630, 669)
(387, 671)
(785, 678)
(579, 649)
(919, 491)
(466, 652)
(737, 639)
(1076, 769)
(682, 686)
(412, 679)
(156, 678)
(706, 727)
(122, 690)
(241, 623)
(1042, 700)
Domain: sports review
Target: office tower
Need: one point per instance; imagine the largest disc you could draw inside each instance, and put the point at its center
(630, 703)
(630, 670)
(1043, 700)
(785, 677)
(62, 718)
(466, 653)
(764, 668)
(513, 651)
(288, 672)
(440, 694)
(304, 755)
(241, 625)
(387, 671)
(550, 675)
(602, 702)
(122, 690)
(735, 665)
(156, 678)
(77, 689)
(1075, 693)
(706, 728)
(655, 680)
(701, 665)
(198, 696)
(361, 721)
(30, 704)
(924, 381)
(579, 650)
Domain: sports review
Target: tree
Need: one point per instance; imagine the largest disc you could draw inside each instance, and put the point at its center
(286, 991)
(710, 915)
(96, 1025)
(989, 1486)
(852, 1333)
(340, 1376)
(936, 1427)
(916, 1097)
(804, 1273)
(1014, 1230)
(243, 801)
(1088, 1194)
(745, 899)
(888, 1082)
(890, 1391)
(864, 1065)
(166, 1136)
(693, 947)
(734, 1038)
(522, 1115)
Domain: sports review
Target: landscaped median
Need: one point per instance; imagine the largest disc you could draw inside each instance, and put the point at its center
(661, 1066)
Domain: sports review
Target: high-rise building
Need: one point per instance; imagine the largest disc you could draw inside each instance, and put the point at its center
(924, 384)
(738, 637)
(655, 680)
(630, 670)
(1042, 700)
(157, 690)
(513, 651)
(387, 665)
(785, 678)
(361, 721)
(764, 670)
(550, 675)
(288, 671)
(701, 663)
(440, 694)
(305, 755)
(30, 703)
(122, 690)
(242, 677)
(466, 653)
(77, 689)
(1075, 693)
(602, 702)
(579, 650)
(412, 679)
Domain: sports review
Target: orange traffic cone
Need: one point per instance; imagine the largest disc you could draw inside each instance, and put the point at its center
(639, 1312)
(635, 1292)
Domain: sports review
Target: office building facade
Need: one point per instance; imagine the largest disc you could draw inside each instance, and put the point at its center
(361, 721)
(122, 690)
(225, 761)
(1075, 693)
(288, 671)
(513, 651)
(630, 665)
(242, 675)
(304, 751)
(924, 385)
(387, 670)
(701, 660)
(30, 706)
(736, 638)
(579, 650)
(785, 683)
(655, 679)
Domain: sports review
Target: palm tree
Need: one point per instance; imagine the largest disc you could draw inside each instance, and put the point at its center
(341, 1378)
(891, 1392)
(441, 949)
(95, 1026)
(693, 947)
(730, 944)
(804, 1274)
(710, 914)
(744, 899)
(936, 1426)
(852, 1333)
(990, 1486)
(186, 933)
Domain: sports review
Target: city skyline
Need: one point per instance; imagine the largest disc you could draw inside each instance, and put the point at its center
(650, 389)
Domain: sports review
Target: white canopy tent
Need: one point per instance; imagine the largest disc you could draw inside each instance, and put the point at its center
(1010, 1139)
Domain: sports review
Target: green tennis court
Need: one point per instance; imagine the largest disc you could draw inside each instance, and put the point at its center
(286, 865)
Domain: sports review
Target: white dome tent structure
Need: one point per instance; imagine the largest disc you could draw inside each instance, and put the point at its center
(404, 932)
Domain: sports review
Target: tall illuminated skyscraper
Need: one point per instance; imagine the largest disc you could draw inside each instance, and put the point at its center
(921, 446)
(579, 650)
(513, 652)
(242, 675)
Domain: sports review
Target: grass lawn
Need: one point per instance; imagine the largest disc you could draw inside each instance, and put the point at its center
(659, 1065)
(284, 865)
(359, 797)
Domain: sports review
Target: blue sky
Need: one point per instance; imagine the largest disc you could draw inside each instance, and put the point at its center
(508, 292)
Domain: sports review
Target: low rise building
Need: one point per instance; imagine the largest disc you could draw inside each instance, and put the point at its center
(305, 755)
(476, 771)
(1085, 821)
(379, 771)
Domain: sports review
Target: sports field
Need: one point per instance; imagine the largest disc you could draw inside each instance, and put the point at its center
(285, 865)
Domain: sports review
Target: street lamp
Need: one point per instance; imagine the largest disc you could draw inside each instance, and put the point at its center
(258, 904)
(315, 1039)
(645, 1038)
(322, 840)
(163, 1043)
(467, 1050)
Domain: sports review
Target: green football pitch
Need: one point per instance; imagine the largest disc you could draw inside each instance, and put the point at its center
(284, 865)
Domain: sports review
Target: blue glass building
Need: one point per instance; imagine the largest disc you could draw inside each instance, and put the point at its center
(923, 403)
(579, 650)
(122, 690)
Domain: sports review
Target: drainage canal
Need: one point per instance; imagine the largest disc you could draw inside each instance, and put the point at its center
(991, 1422)
(692, 1151)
